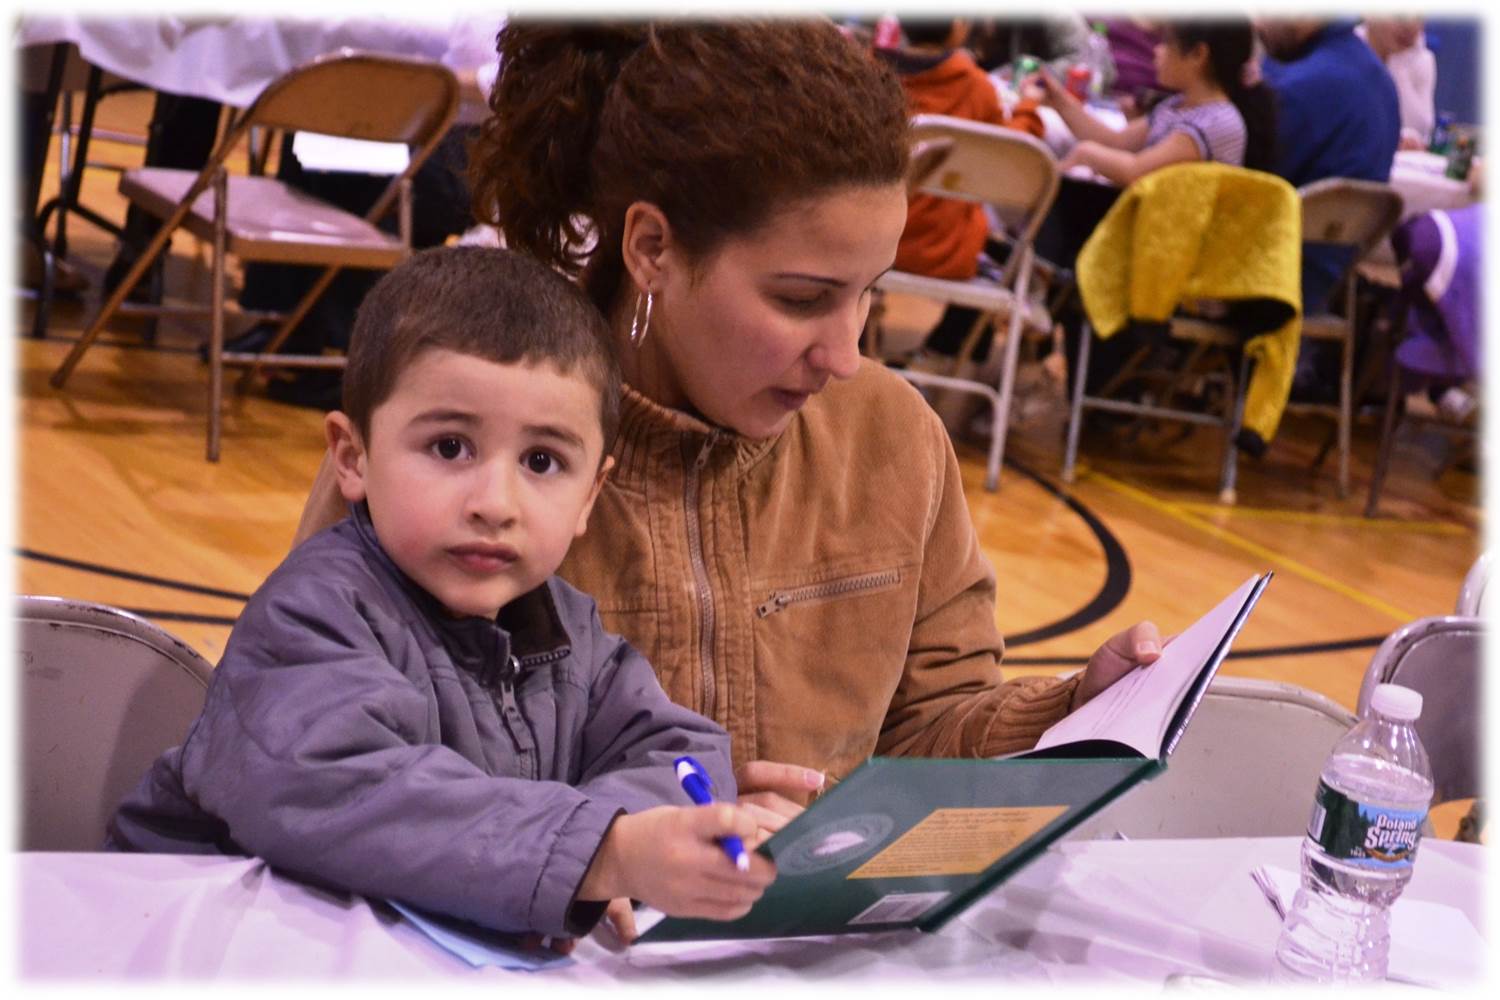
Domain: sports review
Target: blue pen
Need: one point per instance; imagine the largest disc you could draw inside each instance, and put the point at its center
(699, 787)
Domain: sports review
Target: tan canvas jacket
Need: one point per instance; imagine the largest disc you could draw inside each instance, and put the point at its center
(821, 594)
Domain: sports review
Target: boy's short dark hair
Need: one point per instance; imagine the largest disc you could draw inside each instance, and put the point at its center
(495, 304)
(927, 30)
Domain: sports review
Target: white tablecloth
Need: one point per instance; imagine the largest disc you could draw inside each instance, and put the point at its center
(1138, 911)
(232, 59)
(1419, 178)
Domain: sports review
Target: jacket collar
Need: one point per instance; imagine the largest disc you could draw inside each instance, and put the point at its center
(530, 623)
(649, 431)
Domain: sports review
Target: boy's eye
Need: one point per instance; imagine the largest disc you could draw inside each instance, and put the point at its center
(542, 463)
(449, 448)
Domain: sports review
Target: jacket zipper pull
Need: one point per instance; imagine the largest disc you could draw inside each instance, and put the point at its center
(777, 602)
(708, 443)
(514, 720)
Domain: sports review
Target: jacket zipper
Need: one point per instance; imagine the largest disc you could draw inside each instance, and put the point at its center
(515, 720)
(700, 575)
(782, 599)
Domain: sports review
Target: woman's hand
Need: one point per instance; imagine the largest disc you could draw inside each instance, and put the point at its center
(1121, 653)
(775, 793)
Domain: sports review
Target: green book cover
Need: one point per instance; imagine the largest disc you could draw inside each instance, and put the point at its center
(909, 842)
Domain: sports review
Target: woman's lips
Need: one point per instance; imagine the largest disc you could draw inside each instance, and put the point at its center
(790, 400)
(484, 559)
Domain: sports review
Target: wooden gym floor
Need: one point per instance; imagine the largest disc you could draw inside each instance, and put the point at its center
(116, 503)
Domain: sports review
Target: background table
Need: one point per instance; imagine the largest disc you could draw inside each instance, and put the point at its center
(1137, 911)
(231, 60)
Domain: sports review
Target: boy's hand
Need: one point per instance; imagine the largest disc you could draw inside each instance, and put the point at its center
(616, 931)
(670, 858)
(775, 793)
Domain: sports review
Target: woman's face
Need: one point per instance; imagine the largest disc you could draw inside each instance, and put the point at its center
(750, 333)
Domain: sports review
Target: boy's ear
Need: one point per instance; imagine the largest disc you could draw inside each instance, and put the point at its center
(348, 452)
(588, 506)
(646, 244)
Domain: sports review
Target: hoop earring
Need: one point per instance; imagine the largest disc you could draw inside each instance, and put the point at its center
(638, 324)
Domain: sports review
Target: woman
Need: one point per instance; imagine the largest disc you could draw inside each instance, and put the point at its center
(784, 533)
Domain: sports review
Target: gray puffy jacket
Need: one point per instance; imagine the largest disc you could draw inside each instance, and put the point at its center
(355, 735)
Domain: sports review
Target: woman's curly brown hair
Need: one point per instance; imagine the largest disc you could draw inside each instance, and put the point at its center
(719, 124)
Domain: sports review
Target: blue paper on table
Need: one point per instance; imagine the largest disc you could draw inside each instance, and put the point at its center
(479, 945)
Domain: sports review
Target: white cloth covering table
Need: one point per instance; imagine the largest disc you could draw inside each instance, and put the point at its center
(231, 59)
(1145, 911)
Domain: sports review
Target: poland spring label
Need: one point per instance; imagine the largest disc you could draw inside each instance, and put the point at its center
(1365, 835)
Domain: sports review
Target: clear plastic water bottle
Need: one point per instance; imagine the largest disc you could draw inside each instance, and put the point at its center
(1361, 841)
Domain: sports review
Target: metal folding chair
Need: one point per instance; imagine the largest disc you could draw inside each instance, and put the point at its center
(65, 72)
(1440, 659)
(1471, 600)
(1247, 766)
(1016, 176)
(349, 94)
(1213, 336)
(103, 694)
(1358, 215)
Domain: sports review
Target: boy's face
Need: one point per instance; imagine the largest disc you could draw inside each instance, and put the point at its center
(478, 475)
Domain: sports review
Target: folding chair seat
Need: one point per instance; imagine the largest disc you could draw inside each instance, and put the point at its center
(102, 695)
(1356, 215)
(1015, 175)
(377, 98)
(1208, 253)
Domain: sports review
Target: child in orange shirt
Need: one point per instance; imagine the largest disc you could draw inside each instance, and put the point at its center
(943, 236)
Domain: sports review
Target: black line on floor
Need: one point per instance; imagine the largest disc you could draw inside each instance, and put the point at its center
(1116, 571)
(181, 616)
(125, 574)
(1260, 653)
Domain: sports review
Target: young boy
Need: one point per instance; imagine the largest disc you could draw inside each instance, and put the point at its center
(412, 706)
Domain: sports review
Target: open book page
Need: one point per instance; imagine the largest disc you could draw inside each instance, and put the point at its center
(1137, 708)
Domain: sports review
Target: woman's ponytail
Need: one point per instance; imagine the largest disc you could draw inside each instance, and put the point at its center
(531, 164)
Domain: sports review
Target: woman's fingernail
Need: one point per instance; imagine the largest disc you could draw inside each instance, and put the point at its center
(814, 778)
(1147, 649)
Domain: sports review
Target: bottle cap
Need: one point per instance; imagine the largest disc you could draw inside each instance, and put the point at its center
(1396, 702)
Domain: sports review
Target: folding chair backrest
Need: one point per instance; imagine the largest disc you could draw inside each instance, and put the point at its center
(1440, 659)
(361, 95)
(103, 694)
(1247, 766)
(1010, 170)
(1346, 212)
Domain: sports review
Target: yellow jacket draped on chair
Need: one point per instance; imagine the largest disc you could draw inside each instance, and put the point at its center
(1203, 231)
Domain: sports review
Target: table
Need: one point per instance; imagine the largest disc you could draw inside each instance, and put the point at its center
(230, 60)
(1145, 911)
(1420, 179)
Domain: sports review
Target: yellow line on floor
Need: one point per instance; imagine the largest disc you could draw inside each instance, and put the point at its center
(1179, 513)
(1342, 520)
